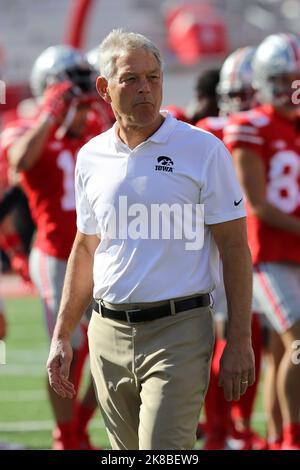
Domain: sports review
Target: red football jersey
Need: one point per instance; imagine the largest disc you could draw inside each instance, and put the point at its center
(101, 114)
(277, 141)
(214, 124)
(11, 131)
(49, 186)
(177, 112)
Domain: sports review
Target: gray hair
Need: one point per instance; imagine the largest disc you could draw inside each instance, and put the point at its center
(119, 41)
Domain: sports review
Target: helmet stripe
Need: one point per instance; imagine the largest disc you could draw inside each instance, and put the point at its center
(294, 48)
(236, 65)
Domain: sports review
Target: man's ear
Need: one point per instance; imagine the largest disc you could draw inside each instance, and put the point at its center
(102, 88)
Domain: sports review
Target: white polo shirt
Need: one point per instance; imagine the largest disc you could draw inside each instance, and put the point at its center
(119, 192)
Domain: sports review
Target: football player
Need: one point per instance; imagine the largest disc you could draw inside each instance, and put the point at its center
(265, 143)
(230, 422)
(43, 153)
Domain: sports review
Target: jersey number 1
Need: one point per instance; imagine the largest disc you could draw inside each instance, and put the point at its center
(66, 163)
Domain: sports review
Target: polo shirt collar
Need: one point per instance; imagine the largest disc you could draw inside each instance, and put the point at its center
(160, 136)
(164, 131)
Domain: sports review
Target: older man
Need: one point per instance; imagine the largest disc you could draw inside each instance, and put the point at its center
(151, 334)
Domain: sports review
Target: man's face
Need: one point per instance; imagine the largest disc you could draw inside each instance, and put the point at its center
(136, 89)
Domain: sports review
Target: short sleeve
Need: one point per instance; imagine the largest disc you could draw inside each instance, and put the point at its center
(86, 222)
(244, 134)
(221, 193)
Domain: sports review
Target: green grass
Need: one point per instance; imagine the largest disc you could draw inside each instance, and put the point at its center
(26, 353)
(23, 398)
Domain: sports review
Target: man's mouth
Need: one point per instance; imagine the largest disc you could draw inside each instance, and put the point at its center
(143, 102)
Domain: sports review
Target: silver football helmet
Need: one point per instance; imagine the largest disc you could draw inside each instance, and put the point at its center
(60, 63)
(93, 58)
(235, 86)
(277, 56)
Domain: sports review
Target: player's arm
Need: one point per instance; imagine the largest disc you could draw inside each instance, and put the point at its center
(237, 363)
(25, 152)
(27, 149)
(252, 175)
(76, 296)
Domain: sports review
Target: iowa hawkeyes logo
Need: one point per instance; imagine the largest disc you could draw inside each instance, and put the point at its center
(164, 164)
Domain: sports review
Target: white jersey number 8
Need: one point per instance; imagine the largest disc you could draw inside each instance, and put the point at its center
(283, 189)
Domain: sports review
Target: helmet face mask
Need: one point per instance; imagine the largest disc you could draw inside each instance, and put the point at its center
(235, 86)
(81, 77)
(236, 101)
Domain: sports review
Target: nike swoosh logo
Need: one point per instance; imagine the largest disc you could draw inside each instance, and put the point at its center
(236, 203)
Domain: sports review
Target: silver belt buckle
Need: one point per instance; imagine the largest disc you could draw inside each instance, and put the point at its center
(128, 312)
(100, 304)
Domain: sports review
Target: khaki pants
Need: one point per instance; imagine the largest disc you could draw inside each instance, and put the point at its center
(151, 378)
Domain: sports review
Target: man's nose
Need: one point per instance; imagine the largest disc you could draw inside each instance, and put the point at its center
(144, 86)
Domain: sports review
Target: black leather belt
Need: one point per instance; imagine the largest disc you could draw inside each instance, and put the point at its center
(148, 314)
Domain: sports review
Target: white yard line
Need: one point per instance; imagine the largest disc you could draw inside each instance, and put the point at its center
(22, 370)
(34, 356)
(35, 426)
(23, 395)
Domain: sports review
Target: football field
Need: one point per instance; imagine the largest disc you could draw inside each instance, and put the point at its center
(25, 415)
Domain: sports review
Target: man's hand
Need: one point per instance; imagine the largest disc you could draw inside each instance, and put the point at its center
(237, 369)
(58, 366)
(56, 99)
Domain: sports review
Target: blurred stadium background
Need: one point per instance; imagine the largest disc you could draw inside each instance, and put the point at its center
(193, 35)
(28, 27)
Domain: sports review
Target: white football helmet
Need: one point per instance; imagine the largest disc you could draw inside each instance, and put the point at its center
(93, 58)
(60, 63)
(276, 56)
(235, 86)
